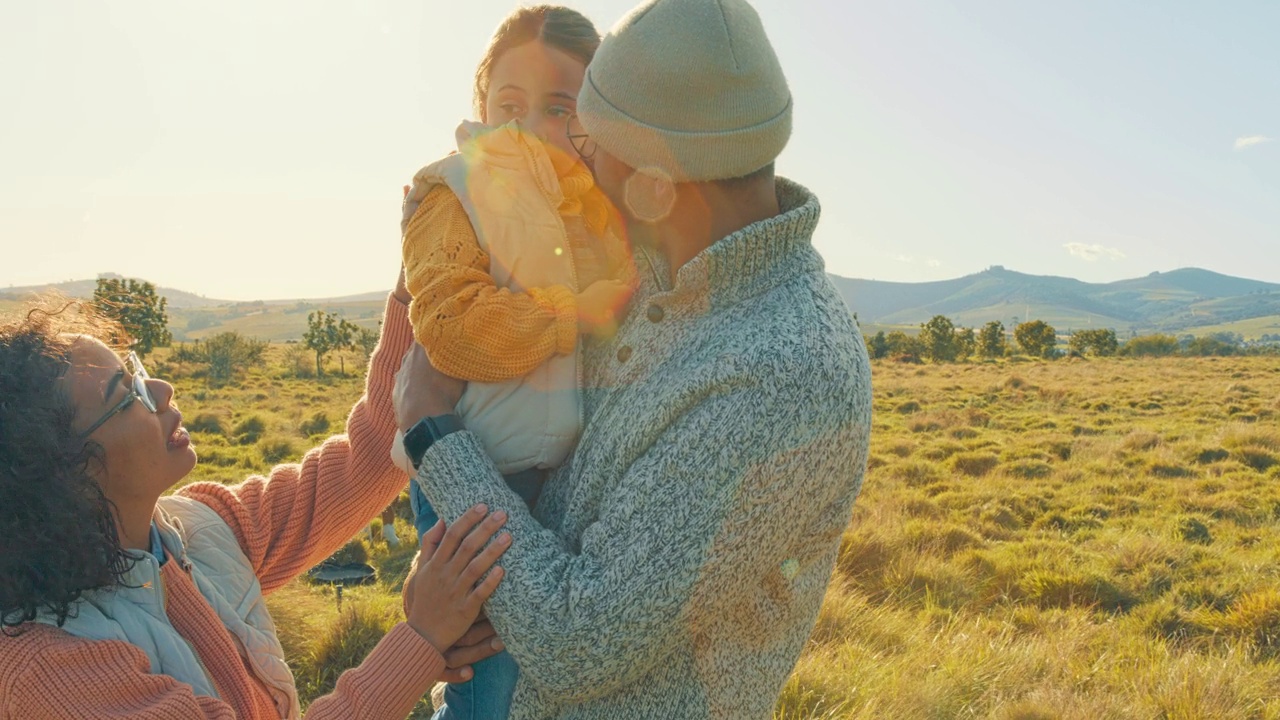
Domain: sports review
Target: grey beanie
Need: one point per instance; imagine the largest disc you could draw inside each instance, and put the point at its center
(688, 87)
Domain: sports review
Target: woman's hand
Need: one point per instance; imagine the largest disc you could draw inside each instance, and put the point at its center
(444, 592)
(423, 391)
(402, 291)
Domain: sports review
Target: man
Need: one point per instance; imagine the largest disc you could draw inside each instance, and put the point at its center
(684, 549)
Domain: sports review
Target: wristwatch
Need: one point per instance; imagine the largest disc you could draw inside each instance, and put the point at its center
(426, 433)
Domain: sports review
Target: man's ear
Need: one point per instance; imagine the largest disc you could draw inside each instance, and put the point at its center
(650, 194)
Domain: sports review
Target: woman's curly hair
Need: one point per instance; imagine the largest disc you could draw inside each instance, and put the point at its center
(57, 529)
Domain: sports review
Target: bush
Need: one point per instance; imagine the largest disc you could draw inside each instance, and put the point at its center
(974, 464)
(206, 423)
(345, 643)
(316, 424)
(276, 450)
(1194, 530)
(249, 430)
(1052, 589)
(1150, 346)
(1030, 469)
(353, 552)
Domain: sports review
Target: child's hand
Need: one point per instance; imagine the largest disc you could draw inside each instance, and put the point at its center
(600, 306)
(469, 130)
(441, 595)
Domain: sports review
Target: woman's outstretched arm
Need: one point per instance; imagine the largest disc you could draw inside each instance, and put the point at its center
(303, 512)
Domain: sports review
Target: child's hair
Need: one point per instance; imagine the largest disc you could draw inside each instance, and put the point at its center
(568, 31)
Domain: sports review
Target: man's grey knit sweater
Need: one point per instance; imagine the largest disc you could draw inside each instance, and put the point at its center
(684, 549)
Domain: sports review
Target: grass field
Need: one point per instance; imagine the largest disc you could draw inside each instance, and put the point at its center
(1035, 540)
(1250, 329)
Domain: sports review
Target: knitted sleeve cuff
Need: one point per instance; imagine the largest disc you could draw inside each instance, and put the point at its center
(564, 303)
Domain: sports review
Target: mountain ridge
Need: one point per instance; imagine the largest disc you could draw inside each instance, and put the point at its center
(1169, 301)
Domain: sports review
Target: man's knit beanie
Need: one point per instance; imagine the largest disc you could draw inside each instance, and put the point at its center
(691, 88)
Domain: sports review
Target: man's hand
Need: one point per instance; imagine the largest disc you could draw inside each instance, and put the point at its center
(422, 391)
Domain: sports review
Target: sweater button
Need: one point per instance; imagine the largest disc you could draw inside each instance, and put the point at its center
(624, 353)
(656, 314)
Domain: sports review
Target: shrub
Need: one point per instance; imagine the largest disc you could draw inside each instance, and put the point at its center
(1255, 617)
(1073, 588)
(1209, 456)
(345, 642)
(1150, 346)
(1170, 470)
(206, 423)
(1194, 530)
(316, 424)
(222, 456)
(1030, 469)
(1259, 460)
(249, 430)
(353, 552)
(974, 464)
(1140, 440)
(276, 450)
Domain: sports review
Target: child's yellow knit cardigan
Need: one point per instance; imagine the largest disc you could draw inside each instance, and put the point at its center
(476, 331)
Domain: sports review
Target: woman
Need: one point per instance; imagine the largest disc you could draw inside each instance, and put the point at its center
(117, 602)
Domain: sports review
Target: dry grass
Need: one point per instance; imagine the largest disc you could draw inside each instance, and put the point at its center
(1035, 540)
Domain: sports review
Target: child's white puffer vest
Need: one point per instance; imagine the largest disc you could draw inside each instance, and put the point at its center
(506, 183)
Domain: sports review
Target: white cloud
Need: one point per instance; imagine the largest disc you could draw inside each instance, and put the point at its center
(1251, 140)
(1092, 253)
(913, 260)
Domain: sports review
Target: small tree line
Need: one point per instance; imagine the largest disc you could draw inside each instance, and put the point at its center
(140, 314)
(940, 340)
(327, 332)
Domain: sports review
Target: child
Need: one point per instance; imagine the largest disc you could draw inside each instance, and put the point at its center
(511, 255)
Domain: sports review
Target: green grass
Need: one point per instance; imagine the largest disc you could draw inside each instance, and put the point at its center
(1071, 539)
(1250, 329)
(276, 322)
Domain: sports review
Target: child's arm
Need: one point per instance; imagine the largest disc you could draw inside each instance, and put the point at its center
(472, 329)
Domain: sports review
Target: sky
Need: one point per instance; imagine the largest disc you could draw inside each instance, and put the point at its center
(248, 150)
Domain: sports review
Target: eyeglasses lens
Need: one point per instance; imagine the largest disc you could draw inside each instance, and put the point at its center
(140, 378)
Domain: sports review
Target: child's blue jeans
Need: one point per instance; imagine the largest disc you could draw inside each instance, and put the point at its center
(487, 696)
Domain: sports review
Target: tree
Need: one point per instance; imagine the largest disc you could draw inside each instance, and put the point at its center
(904, 347)
(1101, 342)
(327, 332)
(878, 347)
(137, 308)
(367, 340)
(939, 338)
(1036, 338)
(1210, 345)
(966, 343)
(228, 353)
(1150, 345)
(991, 343)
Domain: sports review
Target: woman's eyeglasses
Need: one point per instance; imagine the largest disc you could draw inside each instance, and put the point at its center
(138, 391)
(581, 141)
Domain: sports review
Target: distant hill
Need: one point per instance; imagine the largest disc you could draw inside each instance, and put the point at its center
(1187, 300)
(192, 316)
(1172, 301)
(85, 288)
